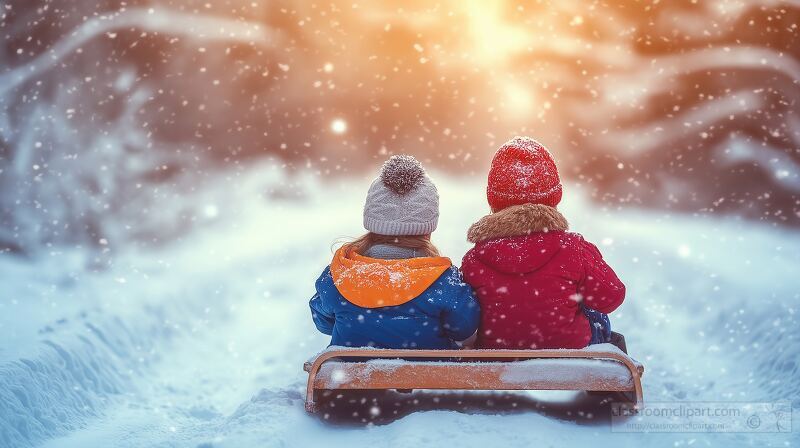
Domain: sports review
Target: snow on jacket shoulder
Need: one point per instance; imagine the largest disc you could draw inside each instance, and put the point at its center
(531, 277)
(409, 303)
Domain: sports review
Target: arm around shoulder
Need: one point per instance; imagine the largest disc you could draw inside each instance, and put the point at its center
(461, 313)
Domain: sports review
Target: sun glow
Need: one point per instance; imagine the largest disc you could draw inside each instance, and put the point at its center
(339, 126)
(494, 39)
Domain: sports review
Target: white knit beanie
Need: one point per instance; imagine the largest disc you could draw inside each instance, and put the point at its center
(402, 200)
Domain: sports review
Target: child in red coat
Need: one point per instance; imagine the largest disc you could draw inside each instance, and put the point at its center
(539, 285)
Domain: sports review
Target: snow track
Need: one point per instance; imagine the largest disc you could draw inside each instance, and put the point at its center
(79, 363)
(202, 343)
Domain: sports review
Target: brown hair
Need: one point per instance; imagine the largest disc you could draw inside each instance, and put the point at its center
(417, 242)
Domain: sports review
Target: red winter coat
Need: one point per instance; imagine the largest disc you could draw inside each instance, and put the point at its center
(531, 277)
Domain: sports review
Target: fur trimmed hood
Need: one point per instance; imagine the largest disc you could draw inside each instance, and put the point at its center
(517, 220)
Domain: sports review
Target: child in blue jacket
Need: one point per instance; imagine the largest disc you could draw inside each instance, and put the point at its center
(390, 288)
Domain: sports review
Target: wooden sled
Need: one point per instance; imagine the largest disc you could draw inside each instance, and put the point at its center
(601, 367)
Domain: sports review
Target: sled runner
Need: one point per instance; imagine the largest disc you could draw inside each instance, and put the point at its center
(601, 367)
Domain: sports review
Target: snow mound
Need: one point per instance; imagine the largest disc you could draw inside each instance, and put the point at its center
(70, 369)
(70, 378)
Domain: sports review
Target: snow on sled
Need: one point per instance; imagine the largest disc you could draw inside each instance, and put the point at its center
(601, 368)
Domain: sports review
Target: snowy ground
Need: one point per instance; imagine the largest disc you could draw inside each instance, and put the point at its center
(201, 343)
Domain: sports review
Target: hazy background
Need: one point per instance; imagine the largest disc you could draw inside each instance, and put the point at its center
(111, 111)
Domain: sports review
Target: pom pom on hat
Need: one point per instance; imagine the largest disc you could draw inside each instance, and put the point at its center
(402, 173)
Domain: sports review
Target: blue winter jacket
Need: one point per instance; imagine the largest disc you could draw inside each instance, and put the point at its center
(444, 312)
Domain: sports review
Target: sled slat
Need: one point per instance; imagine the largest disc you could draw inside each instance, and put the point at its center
(472, 376)
(595, 369)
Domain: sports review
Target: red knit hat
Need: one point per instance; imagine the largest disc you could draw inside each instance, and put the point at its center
(523, 172)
